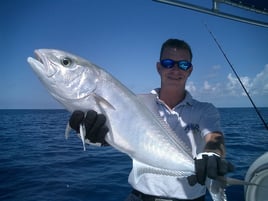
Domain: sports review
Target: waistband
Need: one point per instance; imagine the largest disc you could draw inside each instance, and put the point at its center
(146, 197)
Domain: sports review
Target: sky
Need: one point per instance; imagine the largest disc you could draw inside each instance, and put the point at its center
(124, 37)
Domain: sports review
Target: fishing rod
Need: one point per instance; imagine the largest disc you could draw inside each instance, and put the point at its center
(256, 109)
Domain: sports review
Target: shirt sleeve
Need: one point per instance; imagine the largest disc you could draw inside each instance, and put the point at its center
(209, 120)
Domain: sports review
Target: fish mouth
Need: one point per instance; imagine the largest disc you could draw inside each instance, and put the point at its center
(41, 65)
(37, 55)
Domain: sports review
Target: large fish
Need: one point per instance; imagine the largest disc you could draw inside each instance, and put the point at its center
(133, 128)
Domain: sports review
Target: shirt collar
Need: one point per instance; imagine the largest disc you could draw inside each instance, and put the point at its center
(188, 100)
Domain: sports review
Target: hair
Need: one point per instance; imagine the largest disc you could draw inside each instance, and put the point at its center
(176, 43)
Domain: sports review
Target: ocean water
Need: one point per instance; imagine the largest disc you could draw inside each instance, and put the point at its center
(37, 163)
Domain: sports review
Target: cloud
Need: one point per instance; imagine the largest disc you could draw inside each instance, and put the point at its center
(191, 87)
(216, 67)
(254, 86)
(231, 87)
(211, 87)
(260, 82)
(207, 86)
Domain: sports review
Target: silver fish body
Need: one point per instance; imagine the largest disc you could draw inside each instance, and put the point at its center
(216, 189)
(133, 129)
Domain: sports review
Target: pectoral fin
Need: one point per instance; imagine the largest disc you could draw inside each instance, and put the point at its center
(67, 131)
(102, 102)
(82, 132)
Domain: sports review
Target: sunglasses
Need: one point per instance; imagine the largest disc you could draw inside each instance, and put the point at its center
(169, 63)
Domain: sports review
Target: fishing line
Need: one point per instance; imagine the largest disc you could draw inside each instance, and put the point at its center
(256, 109)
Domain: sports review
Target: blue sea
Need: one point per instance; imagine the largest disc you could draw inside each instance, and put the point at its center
(37, 163)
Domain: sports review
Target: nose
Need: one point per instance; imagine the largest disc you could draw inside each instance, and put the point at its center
(176, 67)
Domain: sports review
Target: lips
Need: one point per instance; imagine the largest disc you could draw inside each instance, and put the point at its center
(37, 55)
(175, 76)
(47, 66)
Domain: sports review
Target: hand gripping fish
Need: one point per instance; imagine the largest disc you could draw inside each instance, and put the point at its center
(133, 128)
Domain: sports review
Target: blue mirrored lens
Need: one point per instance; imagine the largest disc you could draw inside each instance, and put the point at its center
(184, 65)
(169, 63)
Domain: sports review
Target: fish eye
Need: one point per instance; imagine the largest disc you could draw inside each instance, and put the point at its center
(66, 61)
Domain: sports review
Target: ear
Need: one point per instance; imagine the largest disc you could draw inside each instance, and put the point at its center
(190, 71)
(158, 67)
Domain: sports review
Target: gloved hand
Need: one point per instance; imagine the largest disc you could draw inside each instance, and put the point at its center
(96, 129)
(211, 165)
